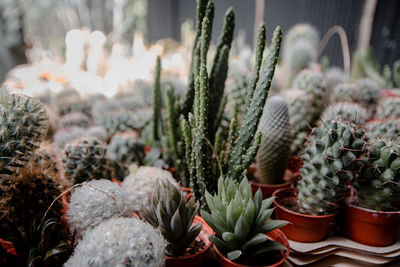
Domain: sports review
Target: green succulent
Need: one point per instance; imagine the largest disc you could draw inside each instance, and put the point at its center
(241, 222)
(166, 210)
(389, 129)
(388, 107)
(347, 111)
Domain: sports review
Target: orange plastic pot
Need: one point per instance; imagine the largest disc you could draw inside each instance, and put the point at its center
(276, 235)
(197, 259)
(303, 228)
(370, 227)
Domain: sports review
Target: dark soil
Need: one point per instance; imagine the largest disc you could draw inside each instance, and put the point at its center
(262, 259)
(197, 246)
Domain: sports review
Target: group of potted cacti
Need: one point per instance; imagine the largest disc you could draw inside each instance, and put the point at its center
(135, 180)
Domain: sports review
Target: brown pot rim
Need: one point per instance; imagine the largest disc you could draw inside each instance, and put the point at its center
(271, 185)
(284, 257)
(276, 203)
(204, 228)
(379, 212)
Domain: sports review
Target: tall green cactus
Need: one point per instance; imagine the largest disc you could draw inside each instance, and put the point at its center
(157, 101)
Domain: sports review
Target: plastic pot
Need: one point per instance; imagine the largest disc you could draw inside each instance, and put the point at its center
(303, 228)
(197, 259)
(371, 227)
(276, 235)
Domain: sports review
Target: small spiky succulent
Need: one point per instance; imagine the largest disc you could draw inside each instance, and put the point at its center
(241, 222)
(348, 111)
(23, 125)
(166, 210)
(389, 129)
(86, 160)
(378, 185)
(139, 185)
(331, 156)
(369, 91)
(73, 103)
(273, 154)
(65, 136)
(302, 31)
(126, 148)
(74, 119)
(388, 107)
(346, 92)
(334, 76)
(93, 203)
(120, 242)
(314, 84)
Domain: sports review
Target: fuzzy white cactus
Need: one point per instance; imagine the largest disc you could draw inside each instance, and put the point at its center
(94, 202)
(139, 185)
(120, 242)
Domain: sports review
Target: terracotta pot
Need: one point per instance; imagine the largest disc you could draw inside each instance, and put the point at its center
(116, 181)
(276, 235)
(268, 189)
(295, 163)
(188, 192)
(370, 227)
(197, 259)
(8, 246)
(303, 228)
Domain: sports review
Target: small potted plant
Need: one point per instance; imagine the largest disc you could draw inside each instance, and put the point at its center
(244, 233)
(375, 219)
(185, 232)
(331, 156)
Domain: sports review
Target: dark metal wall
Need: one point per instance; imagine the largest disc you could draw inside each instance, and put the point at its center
(166, 16)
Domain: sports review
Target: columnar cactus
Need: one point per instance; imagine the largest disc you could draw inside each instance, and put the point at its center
(93, 203)
(157, 102)
(348, 111)
(272, 157)
(166, 210)
(120, 242)
(332, 155)
(378, 186)
(24, 123)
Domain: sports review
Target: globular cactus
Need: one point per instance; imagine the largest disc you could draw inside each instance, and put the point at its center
(69, 100)
(346, 92)
(139, 185)
(331, 156)
(301, 31)
(388, 130)
(314, 84)
(86, 160)
(65, 136)
(24, 123)
(388, 107)
(334, 76)
(126, 148)
(74, 119)
(143, 91)
(94, 202)
(167, 211)
(120, 242)
(369, 91)
(273, 154)
(347, 111)
(378, 185)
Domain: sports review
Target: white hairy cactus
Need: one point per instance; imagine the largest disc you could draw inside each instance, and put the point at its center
(120, 242)
(94, 202)
(139, 185)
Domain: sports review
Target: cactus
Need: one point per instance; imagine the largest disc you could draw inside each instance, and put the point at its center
(334, 76)
(348, 111)
(167, 211)
(157, 128)
(378, 186)
(388, 107)
(346, 92)
(389, 129)
(74, 119)
(241, 222)
(272, 157)
(86, 160)
(331, 156)
(314, 84)
(72, 103)
(24, 123)
(302, 31)
(127, 242)
(396, 73)
(139, 185)
(93, 203)
(126, 148)
(370, 92)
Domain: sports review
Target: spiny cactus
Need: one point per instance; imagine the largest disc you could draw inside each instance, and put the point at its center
(346, 92)
(120, 242)
(313, 82)
(93, 203)
(396, 73)
(139, 185)
(24, 123)
(86, 160)
(302, 31)
(167, 211)
(369, 91)
(157, 127)
(334, 76)
(126, 148)
(69, 100)
(331, 156)
(241, 222)
(74, 119)
(272, 157)
(348, 111)
(388, 107)
(389, 129)
(378, 186)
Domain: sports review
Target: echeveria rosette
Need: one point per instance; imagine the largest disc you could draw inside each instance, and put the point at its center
(240, 221)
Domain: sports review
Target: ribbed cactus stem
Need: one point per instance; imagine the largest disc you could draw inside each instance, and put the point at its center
(157, 101)
(396, 73)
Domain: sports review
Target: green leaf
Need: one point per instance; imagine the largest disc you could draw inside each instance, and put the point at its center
(257, 239)
(176, 224)
(233, 255)
(257, 200)
(228, 237)
(242, 229)
(262, 217)
(266, 203)
(221, 245)
(272, 225)
(268, 246)
(249, 213)
(210, 200)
